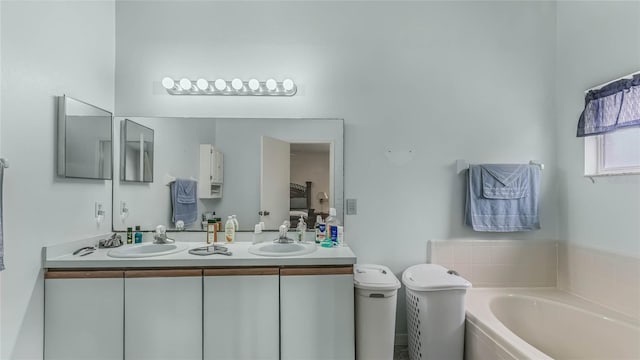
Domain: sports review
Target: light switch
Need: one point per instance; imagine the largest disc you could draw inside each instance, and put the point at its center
(352, 206)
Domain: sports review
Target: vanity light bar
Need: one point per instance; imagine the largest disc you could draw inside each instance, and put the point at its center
(235, 87)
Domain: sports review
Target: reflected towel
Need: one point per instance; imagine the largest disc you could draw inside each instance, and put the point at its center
(503, 198)
(184, 200)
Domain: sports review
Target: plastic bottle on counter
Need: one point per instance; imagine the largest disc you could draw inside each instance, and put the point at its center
(138, 235)
(212, 234)
(321, 230)
(229, 230)
(129, 235)
(332, 226)
(235, 222)
(301, 229)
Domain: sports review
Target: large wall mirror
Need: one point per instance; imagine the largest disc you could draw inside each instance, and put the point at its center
(258, 169)
(84, 140)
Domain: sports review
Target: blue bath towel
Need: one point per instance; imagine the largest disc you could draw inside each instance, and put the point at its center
(184, 200)
(503, 197)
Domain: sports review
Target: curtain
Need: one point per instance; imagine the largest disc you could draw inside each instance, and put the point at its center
(614, 106)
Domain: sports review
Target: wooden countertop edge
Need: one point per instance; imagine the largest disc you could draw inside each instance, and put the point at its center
(86, 273)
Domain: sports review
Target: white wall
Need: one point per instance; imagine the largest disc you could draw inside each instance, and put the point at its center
(596, 42)
(448, 80)
(48, 49)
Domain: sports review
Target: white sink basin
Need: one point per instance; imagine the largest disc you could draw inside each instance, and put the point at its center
(277, 249)
(146, 250)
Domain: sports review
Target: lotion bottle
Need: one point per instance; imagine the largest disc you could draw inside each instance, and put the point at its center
(229, 230)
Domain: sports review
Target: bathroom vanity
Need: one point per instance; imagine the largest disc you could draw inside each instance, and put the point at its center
(183, 306)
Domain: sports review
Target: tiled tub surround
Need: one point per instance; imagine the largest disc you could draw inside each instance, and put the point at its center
(605, 278)
(498, 263)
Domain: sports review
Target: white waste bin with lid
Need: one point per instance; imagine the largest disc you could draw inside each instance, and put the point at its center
(376, 291)
(435, 312)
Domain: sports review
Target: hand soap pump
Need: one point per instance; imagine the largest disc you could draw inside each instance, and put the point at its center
(301, 229)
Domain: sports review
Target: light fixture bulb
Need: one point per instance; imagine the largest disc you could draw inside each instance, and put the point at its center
(287, 85)
(254, 84)
(220, 84)
(236, 84)
(185, 84)
(168, 83)
(202, 84)
(272, 85)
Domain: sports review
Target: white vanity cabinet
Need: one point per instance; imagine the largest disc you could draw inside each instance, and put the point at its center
(316, 313)
(83, 315)
(241, 313)
(163, 314)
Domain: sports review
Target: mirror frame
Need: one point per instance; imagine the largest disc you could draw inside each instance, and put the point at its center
(61, 168)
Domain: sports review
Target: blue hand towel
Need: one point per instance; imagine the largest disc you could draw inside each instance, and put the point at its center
(184, 200)
(503, 198)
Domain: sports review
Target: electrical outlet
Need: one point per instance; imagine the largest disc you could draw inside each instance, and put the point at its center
(99, 209)
(352, 206)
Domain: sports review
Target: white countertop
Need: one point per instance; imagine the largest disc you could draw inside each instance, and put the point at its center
(60, 256)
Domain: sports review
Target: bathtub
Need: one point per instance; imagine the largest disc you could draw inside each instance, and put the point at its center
(545, 323)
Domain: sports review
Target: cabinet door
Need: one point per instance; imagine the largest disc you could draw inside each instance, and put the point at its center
(83, 315)
(163, 314)
(241, 314)
(316, 313)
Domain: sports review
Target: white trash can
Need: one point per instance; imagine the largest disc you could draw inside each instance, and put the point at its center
(435, 312)
(376, 290)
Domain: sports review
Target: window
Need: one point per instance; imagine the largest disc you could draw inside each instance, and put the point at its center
(613, 153)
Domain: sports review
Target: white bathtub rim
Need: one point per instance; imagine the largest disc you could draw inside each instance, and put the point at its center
(478, 311)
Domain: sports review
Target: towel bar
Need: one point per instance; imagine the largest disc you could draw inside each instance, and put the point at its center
(462, 165)
(169, 179)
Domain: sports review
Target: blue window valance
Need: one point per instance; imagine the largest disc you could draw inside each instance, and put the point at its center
(613, 106)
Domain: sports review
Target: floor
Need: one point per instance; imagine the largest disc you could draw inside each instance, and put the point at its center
(401, 352)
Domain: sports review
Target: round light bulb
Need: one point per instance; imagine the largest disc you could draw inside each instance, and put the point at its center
(220, 84)
(236, 84)
(185, 84)
(254, 84)
(202, 84)
(287, 84)
(168, 83)
(271, 84)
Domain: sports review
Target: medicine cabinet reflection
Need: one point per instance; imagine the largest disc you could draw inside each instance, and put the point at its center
(84, 140)
(136, 152)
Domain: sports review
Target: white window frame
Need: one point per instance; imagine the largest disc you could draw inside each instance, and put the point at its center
(594, 159)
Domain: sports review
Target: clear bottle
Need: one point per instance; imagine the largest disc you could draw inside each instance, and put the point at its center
(301, 229)
(332, 226)
(229, 230)
(138, 235)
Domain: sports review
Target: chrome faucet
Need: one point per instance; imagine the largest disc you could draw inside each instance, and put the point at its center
(282, 238)
(160, 237)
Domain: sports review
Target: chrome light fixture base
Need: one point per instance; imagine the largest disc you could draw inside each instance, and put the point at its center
(235, 87)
